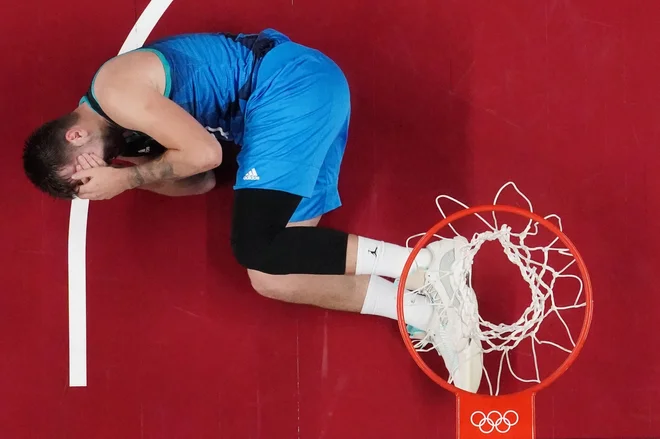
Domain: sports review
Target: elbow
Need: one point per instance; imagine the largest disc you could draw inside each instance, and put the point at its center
(215, 157)
(211, 158)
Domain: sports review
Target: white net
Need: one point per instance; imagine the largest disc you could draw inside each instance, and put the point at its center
(533, 263)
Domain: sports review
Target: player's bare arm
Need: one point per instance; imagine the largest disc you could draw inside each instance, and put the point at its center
(135, 101)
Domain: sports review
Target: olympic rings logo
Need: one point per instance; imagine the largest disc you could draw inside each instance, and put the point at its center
(494, 421)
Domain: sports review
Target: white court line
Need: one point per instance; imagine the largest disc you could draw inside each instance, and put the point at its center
(78, 226)
(77, 296)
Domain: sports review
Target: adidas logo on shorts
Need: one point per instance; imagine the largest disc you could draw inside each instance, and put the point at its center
(251, 175)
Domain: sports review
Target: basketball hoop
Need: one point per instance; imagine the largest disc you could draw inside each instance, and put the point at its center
(512, 414)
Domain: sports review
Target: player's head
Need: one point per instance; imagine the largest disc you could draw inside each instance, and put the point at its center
(51, 151)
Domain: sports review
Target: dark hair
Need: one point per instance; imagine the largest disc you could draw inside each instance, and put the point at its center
(45, 155)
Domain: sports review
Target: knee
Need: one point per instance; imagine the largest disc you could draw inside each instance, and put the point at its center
(252, 253)
(269, 286)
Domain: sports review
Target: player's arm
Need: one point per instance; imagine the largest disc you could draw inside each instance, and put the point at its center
(134, 103)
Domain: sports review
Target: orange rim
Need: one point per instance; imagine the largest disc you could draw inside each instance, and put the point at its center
(534, 217)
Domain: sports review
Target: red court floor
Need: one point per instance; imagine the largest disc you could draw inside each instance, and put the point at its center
(453, 96)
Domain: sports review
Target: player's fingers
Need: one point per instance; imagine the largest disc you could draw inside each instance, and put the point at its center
(78, 169)
(84, 161)
(96, 160)
(85, 192)
(85, 173)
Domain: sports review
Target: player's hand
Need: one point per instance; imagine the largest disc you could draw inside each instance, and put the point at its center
(102, 183)
(89, 161)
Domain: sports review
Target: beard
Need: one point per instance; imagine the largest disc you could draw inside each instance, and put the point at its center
(113, 143)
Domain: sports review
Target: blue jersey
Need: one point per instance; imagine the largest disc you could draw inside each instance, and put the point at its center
(211, 75)
(285, 104)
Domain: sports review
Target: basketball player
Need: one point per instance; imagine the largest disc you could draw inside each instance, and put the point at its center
(288, 107)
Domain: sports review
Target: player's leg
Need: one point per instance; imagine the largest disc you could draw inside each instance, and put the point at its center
(365, 294)
(295, 288)
(296, 131)
(293, 128)
(373, 294)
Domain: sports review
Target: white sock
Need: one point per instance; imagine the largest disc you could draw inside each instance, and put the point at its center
(385, 259)
(381, 301)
